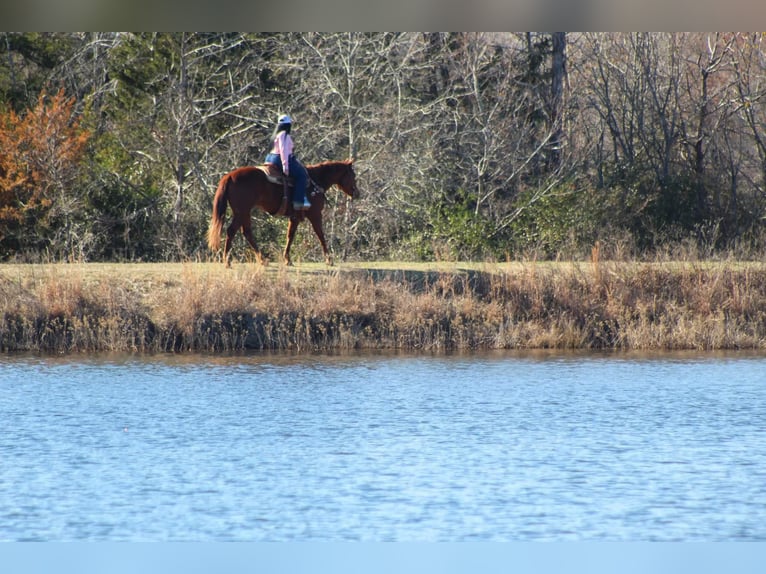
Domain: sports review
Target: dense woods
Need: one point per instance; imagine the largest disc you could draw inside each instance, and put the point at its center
(467, 145)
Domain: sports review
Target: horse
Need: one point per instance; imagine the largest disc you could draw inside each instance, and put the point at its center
(248, 187)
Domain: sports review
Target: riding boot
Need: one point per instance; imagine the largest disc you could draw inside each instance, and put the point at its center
(298, 204)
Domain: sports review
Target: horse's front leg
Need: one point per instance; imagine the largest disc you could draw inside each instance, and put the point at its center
(316, 223)
(292, 227)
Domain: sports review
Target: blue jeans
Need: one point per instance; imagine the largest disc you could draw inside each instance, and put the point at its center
(297, 172)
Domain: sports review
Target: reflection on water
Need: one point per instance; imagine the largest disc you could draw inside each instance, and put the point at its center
(383, 447)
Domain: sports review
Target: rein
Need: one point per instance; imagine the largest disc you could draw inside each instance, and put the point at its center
(315, 189)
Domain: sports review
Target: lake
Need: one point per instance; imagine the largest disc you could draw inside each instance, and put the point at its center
(383, 447)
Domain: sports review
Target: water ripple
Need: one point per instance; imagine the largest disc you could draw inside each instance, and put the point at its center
(383, 448)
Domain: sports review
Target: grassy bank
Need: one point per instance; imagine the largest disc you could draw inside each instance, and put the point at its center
(65, 308)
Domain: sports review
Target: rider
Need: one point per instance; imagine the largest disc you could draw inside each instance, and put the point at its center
(281, 154)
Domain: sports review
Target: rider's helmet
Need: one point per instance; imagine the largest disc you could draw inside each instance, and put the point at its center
(284, 123)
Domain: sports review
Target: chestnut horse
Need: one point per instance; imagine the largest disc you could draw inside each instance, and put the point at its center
(247, 187)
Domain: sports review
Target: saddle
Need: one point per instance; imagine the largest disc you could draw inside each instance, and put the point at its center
(274, 174)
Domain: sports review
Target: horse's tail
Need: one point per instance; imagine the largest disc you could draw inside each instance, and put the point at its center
(219, 212)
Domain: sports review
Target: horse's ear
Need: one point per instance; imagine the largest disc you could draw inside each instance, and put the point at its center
(350, 160)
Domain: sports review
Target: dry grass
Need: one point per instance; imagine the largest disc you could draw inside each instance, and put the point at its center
(203, 307)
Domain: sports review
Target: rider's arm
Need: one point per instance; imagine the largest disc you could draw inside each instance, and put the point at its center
(285, 149)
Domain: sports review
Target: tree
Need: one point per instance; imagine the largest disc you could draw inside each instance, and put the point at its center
(40, 156)
(466, 144)
(27, 61)
(558, 79)
(750, 75)
(178, 113)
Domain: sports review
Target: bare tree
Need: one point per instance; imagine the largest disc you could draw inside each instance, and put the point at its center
(558, 79)
(750, 72)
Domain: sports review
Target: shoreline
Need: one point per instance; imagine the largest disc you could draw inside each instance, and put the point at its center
(434, 307)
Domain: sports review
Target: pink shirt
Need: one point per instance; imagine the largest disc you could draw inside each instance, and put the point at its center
(283, 145)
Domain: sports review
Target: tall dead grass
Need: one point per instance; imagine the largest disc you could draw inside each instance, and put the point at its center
(595, 305)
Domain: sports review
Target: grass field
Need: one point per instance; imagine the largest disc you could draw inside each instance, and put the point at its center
(178, 307)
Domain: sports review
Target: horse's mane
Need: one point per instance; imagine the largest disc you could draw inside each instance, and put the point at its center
(330, 164)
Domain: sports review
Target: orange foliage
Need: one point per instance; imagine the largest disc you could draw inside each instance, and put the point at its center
(39, 153)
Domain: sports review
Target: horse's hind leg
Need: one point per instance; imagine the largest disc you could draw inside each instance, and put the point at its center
(292, 227)
(247, 231)
(316, 223)
(230, 233)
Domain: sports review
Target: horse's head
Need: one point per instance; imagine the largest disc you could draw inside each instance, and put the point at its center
(347, 179)
(340, 173)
